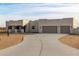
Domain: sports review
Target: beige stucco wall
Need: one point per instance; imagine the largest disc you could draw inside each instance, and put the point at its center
(33, 23)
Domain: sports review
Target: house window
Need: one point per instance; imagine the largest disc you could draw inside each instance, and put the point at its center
(10, 27)
(33, 27)
(16, 27)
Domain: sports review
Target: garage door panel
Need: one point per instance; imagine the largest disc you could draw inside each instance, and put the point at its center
(49, 29)
(65, 29)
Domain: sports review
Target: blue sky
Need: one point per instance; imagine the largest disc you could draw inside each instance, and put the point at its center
(16, 11)
(29, 9)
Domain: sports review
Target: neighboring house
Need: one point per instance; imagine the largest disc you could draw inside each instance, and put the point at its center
(64, 25)
(16, 26)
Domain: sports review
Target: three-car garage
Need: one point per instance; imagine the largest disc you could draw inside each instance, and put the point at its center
(64, 25)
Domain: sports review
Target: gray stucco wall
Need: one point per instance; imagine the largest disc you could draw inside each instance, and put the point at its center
(56, 22)
(46, 22)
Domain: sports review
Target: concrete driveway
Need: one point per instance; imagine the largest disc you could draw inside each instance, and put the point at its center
(40, 45)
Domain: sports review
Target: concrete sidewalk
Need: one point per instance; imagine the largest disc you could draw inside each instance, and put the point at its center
(40, 45)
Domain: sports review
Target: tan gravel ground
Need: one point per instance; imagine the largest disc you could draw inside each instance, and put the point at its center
(7, 41)
(71, 40)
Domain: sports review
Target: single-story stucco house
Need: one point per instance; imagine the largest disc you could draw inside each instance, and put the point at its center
(63, 25)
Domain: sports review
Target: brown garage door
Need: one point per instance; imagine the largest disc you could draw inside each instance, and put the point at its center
(49, 29)
(65, 29)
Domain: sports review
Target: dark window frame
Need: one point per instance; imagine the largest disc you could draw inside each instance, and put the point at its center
(33, 27)
(9, 27)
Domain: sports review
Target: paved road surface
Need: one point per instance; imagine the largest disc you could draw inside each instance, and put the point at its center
(40, 45)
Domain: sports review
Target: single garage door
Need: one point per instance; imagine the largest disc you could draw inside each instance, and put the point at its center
(49, 29)
(65, 29)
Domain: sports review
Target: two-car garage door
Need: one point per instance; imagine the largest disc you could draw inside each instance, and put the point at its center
(49, 29)
(53, 29)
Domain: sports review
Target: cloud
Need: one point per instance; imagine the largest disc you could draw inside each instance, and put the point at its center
(40, 9)
(34, 11)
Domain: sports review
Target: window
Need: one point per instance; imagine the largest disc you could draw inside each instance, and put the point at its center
(16, 27)
(10, 27)
(33, 27)
(22, 27)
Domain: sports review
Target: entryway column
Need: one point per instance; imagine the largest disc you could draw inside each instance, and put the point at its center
(71, 30)
(20, 30)
(13, 29)
(58, 29)
(40, 29)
